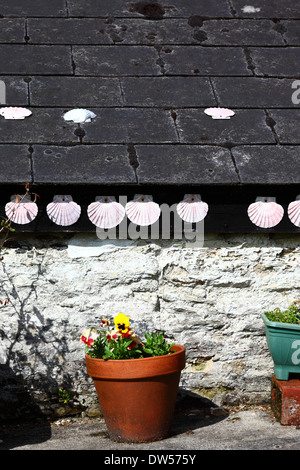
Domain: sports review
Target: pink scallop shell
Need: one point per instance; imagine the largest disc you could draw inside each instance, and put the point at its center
(192, 209)
(21, 210)
(294, 212)
(63, 210)
(265, 212)
(106, 212)
(219, 113)
(15, 113)
(142, 210)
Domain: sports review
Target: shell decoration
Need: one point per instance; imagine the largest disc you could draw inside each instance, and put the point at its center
(21, 209)
(63, 210)
(265, 212)
(79, 115)
(192, 208)
(106, 212)
(219, 113)
(15, 113)
(294, 211)
(142, 210)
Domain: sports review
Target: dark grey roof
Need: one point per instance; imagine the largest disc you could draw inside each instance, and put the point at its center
(148, 70)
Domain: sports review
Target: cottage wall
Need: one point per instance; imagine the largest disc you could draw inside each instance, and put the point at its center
(207, 297)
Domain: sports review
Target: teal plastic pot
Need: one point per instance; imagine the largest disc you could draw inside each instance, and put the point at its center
(283, 341)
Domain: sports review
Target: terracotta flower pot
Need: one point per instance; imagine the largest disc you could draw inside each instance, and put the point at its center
(137, 396)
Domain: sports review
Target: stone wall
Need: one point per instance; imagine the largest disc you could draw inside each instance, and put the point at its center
(208, 298)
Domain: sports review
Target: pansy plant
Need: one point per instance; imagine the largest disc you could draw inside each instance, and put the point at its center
(121, 342)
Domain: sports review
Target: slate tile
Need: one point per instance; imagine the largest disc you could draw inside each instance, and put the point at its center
(165, 9)
(185, 164)
(113, 60)
(75, 91)
(12, 30)
(268, 164)
(96, 164)
(167, 91)
(27, 59)
(136, 31)
(19, 168)
(16, 91)
(93, 31)
(43, 126)
(253, 92)
(33, 8)
(276, 61)
(188, 60)
(188, 8)
(247, 126)
(267, 9)
(68, 31)
(104, 8)
(238, 32)
(124, 125)
(291, 32)
(287, 122)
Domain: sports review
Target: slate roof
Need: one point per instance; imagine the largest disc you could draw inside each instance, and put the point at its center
(148, 70)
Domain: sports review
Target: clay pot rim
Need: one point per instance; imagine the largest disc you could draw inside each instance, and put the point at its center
(178, 348)
(130, 369)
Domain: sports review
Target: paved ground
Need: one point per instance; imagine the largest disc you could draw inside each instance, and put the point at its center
(193, 429)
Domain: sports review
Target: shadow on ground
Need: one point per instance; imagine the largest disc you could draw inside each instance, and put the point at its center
(20, 417)
(193, 411)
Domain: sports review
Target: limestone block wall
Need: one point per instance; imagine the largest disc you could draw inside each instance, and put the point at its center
(208, 298)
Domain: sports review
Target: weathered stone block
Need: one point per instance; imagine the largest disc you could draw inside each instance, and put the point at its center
(110, 60)
(75, 91)
(286, 125)
(267, 164)
(98, 164)
(12, 30)
(123, 125)
(16, 91)
(247, 126)
(249, 92)
(204, 61)
(43, 126)
(276, 62)
(34, 8)
(239, 33)
(15, 164)
(167, 91)
(202, 165)
(270, 9)
(41, 60)
(68, 31)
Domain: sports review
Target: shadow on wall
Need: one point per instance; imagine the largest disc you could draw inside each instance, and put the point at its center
(16, 405)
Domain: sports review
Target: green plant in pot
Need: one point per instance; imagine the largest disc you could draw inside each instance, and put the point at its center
(283, 338)
(136, 380)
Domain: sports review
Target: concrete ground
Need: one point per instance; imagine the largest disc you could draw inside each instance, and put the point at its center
(193, 430)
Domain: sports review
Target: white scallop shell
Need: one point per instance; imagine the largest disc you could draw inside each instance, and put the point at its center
(79, 115)
(265, 212)
(191, 208)
(294, 211)
(219, 113)
(63, 210)
(15, 113)
(106, 212)
(21, 210)
(142, 210)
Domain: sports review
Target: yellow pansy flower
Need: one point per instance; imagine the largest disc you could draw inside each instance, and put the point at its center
(122, 322)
